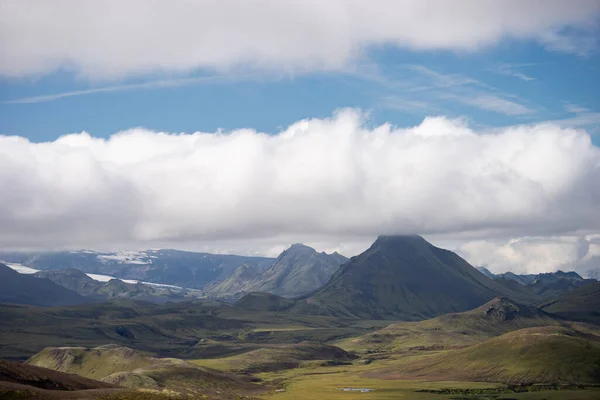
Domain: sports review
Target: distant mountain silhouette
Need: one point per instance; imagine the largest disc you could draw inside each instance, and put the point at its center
(297, 271)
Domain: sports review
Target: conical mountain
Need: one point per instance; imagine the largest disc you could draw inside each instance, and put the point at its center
(407, 278)
(298, 271)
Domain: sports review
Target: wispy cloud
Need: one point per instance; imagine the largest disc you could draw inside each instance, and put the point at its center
(420, 89)
(163, 83)
(513, 70)
(490, 102)
(576, 109)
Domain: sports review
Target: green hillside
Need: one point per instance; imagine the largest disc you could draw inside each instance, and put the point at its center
(280, 357)
(456, 330)
(130, 368)
(259, 301)
(530, 355)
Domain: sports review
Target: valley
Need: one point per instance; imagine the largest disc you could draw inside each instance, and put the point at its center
(404, 319)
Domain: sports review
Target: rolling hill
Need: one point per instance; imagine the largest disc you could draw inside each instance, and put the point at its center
(526, 356)
(16, 288)
(281, 357)
(297, 271)
(405, 278)
(455, 330)
(126, 367)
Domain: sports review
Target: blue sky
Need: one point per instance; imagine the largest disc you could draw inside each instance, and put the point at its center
(513, 83)
(451, 119)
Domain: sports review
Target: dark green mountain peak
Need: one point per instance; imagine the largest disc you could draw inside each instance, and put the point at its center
(405, 277)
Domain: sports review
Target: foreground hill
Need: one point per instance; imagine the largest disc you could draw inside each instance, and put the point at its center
(581, 304)
(174, 267)
(45, 378)
(499, 316)
(280, 357)
(17, 288)
(407, 278)
(299, 270)
(530, 355)
(126, 367)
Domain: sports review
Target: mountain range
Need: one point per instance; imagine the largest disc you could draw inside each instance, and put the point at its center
(173, 267)
(79, 282)
(545, 285)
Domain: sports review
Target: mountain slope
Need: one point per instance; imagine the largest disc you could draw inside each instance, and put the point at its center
(241, 281)
(72, 279)
(297, 271)
(23, 289)
(581, 304)
(407, 278)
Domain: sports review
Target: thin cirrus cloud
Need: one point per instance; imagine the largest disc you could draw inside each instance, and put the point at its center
(421, 89)
(163, 83)
(319, 179)
(114, 38)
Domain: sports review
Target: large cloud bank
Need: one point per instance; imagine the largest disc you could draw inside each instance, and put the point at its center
(115, 38)
(534, 255)
(328, 178)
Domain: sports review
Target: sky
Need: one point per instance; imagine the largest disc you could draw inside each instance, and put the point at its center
(244, 126)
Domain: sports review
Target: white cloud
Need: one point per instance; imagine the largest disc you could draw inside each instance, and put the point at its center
(318, 181)
(534, 255)
(116, 38)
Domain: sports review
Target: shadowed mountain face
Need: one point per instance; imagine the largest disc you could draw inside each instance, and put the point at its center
(297, 271)
(23, 289)
(582, 304)
(405, 277)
